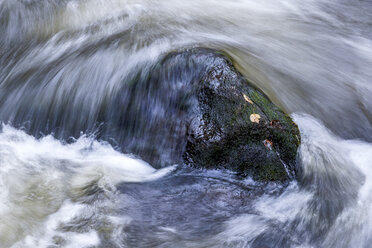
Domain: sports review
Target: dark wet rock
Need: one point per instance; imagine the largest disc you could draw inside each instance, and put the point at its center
(235, 126)
(222, 120)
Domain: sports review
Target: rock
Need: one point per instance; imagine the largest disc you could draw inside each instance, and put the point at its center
(234, 125)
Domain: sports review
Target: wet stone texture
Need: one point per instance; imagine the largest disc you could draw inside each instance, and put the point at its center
(234, 125)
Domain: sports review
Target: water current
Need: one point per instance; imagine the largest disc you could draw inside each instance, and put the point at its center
(85, 160)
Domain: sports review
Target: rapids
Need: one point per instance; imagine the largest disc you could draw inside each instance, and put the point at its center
(67, 174)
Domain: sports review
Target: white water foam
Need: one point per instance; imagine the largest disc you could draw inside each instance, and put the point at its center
(43, 181)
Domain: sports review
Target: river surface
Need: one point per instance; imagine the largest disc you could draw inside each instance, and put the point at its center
(85, 161)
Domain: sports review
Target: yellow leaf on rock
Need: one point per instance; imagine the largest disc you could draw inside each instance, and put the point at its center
(255, 118)
(247, 98)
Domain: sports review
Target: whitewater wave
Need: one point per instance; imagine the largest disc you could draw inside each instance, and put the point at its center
(44, 182)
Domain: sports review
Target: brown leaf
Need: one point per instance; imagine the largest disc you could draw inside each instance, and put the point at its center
(275, 123)
(268, 144)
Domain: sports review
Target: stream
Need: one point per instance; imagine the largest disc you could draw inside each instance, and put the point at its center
(86, 159)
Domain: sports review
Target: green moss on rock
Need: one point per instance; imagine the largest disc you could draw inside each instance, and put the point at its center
(222, 134)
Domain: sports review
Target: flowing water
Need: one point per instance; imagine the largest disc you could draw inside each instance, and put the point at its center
(79, 122)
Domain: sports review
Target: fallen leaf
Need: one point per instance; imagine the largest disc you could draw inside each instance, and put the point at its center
(275, 123)
(268, 144)
(255, 118)
(247, 98)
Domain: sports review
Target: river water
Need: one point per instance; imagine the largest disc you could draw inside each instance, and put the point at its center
(70, 177)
